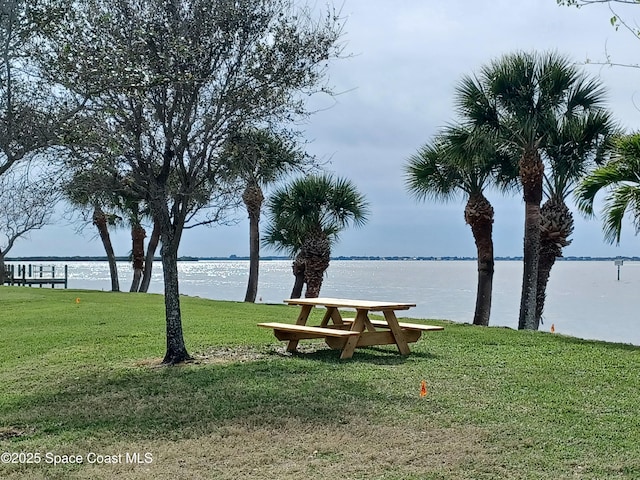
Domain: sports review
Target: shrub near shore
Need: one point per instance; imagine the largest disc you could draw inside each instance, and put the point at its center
(83, 377)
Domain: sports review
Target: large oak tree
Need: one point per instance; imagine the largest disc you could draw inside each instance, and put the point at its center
(169, 80)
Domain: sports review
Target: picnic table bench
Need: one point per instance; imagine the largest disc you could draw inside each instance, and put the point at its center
(346, 334)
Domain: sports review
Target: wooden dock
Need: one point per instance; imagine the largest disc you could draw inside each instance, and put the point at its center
(23, 275)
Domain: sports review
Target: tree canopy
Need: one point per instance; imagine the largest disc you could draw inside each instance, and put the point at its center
(620, 177)
(169, 81)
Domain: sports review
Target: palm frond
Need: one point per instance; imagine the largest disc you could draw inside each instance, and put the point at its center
(555, 76)
(586, 94)
(511, 81)
(475, 104)
(603, 177)
(621, 177)
(576, 145)
(625, 198)
(312, 204)
(429, 175)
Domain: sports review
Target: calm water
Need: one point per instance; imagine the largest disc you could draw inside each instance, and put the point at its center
(585, 299)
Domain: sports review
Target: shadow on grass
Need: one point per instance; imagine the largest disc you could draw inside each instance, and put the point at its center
(363, 355)
(187, 401)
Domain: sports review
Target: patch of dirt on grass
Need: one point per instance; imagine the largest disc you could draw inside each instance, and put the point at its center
(234, 354)
(14, 432)
(245, 353)
(295, 450)
(238, 354)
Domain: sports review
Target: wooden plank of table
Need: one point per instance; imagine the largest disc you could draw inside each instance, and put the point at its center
(350, 303)
(305, 331)
(403, 325)
(370, 339)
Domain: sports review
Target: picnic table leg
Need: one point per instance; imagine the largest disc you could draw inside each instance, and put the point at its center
(302, 320)
(398, 334)
(333, 314)
(358, 326)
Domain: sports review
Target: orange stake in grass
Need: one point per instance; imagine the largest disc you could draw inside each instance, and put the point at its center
(423, 388)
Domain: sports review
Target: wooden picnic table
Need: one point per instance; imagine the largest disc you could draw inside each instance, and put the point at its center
(346, 334)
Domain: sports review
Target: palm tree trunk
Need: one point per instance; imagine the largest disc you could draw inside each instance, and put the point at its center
(313, 276)
(148, 261)
(298, 267)
(479, 216)
(556, 226)
(548, 254)
(531, 172)
(100, 221)
(316, 251)
(253, 199)
(138, 235)
(527, 320)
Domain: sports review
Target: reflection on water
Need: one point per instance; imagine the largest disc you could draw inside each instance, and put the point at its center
(584, 299)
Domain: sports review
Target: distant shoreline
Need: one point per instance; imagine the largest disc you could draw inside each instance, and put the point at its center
(271, 258)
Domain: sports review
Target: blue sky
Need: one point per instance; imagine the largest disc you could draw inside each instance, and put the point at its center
(398, 84)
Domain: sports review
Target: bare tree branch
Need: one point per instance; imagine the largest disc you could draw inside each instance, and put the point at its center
(26, 204)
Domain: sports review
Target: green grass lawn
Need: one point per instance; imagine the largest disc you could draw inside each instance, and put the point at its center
(83, 379)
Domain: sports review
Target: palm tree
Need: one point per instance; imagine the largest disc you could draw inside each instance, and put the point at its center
(154, 239)
(290, 241)
(459, 161)
(131, 205)
(306, 217)
(521, 96)
(103, 190)
(94, 190)
(259, 158)
(575, 146)
(138, 234)
(621, 176)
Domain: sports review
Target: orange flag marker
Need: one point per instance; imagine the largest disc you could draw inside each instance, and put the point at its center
(423, 388)
(553, 328)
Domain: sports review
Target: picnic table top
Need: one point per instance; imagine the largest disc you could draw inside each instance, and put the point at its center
(350, 303)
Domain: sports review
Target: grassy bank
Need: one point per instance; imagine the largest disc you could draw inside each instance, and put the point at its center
(81, 377)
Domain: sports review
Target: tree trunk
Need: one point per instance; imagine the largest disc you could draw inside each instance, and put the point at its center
(531, 174)
(479, 216)
(313, 278)
(148, 262)
(100, 221)
(170, 220)
(2, 268)
(176, 349)
(316, 251)
(253, 199)
(298, 272)
(138, 235)
(556, 227)
(548, 254)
